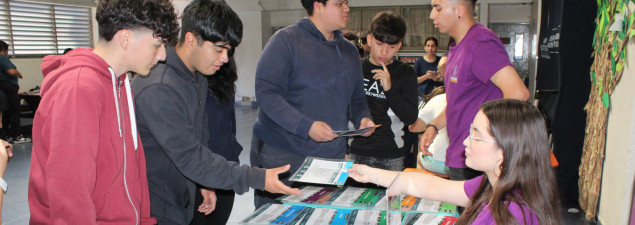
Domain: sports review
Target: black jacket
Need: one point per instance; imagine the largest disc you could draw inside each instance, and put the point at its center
(393, 109)
(172, 122)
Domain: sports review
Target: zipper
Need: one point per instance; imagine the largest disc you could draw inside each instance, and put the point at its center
(119, 84)
(122, 126)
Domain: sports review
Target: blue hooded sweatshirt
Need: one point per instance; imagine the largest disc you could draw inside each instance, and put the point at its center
(302, 78)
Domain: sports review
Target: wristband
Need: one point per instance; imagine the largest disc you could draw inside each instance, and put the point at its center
(3, 185)
(435, 127)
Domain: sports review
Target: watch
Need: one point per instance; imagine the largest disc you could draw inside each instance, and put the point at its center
(3, 185)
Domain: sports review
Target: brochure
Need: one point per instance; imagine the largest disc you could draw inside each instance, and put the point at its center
(344, 198)
(275, 214)
(321, 216)
(429, 219)
(366, 217)
(363, 198)
(322, 171)
(351, 133)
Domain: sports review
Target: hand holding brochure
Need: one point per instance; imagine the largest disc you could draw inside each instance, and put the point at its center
(351, 133)
(322, 171)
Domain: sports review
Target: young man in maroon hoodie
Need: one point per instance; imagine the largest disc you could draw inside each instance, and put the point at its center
(88, 165)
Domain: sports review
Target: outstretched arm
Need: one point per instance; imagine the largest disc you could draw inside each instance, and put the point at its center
(416, 184)
(169, 127)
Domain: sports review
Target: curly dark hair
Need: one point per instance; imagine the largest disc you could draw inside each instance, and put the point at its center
(156, 15)
(308, 5)
(388, 27)
(212, 21)
(222, 83)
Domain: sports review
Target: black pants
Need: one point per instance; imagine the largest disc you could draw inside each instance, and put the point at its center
(220, 215)
(11, 117)
(411, 148)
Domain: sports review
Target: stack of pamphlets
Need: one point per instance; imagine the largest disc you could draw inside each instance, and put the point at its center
(363, 198)
(301, 215)
(348, 205)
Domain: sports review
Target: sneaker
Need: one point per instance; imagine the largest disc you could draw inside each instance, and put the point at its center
(573, 210)
(21, 139)
(9, 139)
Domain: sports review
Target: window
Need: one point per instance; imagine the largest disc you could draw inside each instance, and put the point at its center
(37, 29)
(418, 23)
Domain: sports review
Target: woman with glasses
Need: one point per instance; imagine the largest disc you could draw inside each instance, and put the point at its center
(508, 143)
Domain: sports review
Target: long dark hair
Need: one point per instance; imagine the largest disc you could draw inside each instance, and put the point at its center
(222, 83)
(526, 176)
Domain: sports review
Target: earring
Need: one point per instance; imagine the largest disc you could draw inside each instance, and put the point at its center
(500, 167)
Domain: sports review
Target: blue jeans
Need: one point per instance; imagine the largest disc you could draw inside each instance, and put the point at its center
(394, 164)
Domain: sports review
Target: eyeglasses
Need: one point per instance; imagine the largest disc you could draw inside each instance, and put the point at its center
(472, 137)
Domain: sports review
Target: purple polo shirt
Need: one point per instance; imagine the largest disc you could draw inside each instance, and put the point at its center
(469, 68)
(485, 216)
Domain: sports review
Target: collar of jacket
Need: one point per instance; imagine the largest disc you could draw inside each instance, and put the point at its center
(176, 63)
(308, 25)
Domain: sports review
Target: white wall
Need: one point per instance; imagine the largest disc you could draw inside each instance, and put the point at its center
(619, 170)
(510, 13)
(247, 55)
(286, 17)
(179, 5)
(30, 69)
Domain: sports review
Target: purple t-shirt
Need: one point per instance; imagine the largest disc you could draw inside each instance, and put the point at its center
(485, 216)
(469, 68)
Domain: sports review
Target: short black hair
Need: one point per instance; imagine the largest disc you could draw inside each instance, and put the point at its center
(308, 5)
(431, 38)
(388, 27)
(212, 21)
(3, 46)
(156, 15)
(351, 36)
(67, 50)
